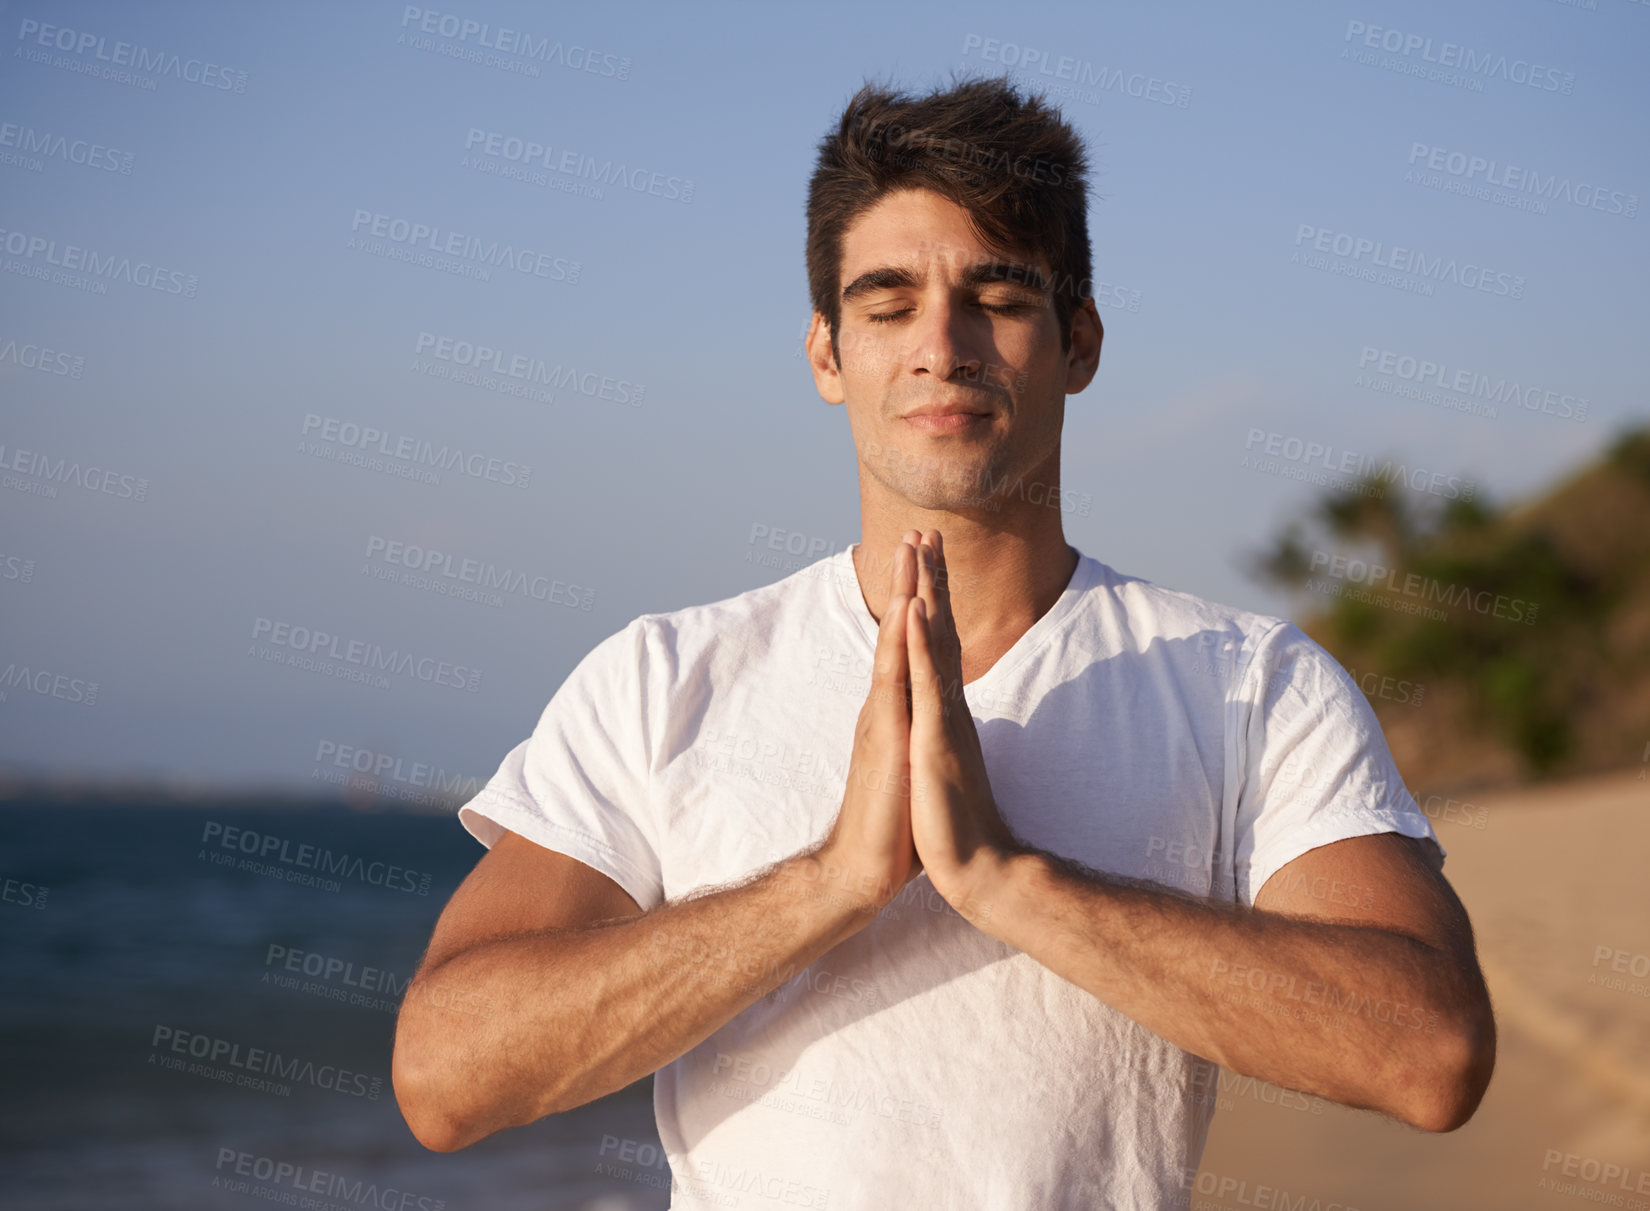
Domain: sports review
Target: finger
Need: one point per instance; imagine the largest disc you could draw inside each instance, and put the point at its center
(942, 590)
(942, 628)
(890, 668)
(927, 696)
(913, 539)
(927, 579)
(904, 581)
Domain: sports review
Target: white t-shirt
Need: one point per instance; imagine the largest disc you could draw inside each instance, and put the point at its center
(1139, 730)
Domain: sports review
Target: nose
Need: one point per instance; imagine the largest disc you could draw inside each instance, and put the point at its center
(941, 345)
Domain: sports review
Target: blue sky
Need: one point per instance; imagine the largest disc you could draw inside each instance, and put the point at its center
(252, 144)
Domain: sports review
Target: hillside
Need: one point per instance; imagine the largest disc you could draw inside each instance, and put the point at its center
(1497, 644)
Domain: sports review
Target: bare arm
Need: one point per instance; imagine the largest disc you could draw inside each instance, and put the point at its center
(545, 986)
(1376, 1003)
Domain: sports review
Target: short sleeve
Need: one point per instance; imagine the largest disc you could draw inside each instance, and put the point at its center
(1316, 766)
(579, 784)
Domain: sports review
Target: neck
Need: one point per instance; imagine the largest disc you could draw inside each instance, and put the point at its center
(1005, 567)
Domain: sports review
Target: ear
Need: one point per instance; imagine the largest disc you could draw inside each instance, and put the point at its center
(1083, 359)
(827, 378)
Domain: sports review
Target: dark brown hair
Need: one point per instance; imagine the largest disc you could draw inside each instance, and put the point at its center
(1010, 161)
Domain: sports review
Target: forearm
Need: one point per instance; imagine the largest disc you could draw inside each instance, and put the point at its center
(572, 1015)
(1356, 1014)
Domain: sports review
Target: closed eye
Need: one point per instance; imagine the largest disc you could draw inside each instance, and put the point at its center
(884, 317)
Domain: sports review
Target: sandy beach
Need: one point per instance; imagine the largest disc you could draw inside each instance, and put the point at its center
(1556, 880)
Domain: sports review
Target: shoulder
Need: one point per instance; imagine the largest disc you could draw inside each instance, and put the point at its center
(1258, 657)
(664, 666)
(1149, 611)
(739, 628)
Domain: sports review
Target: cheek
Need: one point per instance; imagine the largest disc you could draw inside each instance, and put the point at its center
(1032, 363)
(1032, 380)
(868, 354)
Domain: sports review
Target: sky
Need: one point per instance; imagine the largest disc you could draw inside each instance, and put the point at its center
(245, 285)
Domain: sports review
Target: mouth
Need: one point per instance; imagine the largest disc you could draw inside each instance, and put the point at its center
(951, 419)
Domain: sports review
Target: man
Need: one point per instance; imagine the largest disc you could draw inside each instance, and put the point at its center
(937, 873)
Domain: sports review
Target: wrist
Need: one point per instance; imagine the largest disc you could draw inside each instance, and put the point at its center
(985, 888)
(843, 888)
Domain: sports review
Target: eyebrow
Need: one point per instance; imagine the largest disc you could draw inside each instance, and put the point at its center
(893, 277)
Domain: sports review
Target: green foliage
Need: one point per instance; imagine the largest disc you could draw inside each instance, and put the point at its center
(1631, 453)
(1523, 620)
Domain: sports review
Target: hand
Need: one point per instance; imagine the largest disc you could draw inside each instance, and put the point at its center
(869, 854)
(958, 832)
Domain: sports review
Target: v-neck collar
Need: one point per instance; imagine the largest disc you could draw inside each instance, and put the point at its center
(853, 601)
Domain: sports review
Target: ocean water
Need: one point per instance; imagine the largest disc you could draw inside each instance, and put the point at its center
(154, 969)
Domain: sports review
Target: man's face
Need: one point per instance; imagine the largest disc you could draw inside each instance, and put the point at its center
(951, 369)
